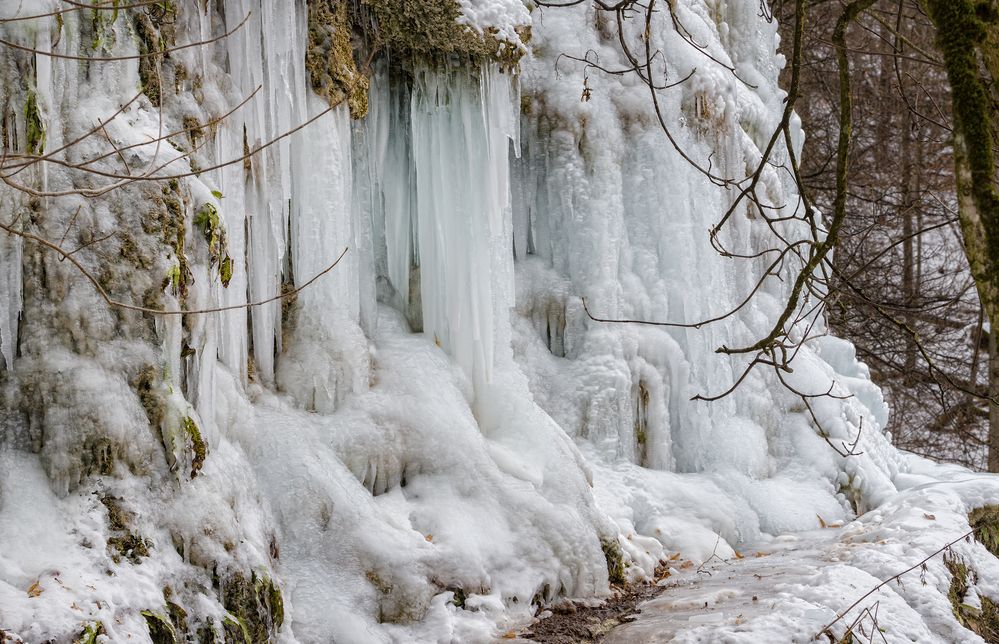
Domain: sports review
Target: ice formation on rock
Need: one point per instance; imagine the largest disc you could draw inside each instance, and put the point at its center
(432, 439)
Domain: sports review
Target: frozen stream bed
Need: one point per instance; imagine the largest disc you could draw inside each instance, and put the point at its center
(732, 598)
(789, 588)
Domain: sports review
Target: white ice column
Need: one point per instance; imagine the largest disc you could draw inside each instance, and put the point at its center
(268, 53)
(326, 358)
(462, 123)
(10, 293)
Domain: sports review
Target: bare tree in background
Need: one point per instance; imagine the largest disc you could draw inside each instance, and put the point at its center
(903, 291)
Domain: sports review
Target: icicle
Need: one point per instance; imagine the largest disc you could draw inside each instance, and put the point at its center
(327, 356)
(10, 295)
(460, 128)
(268, 53)
(322, 219)
(233, 346)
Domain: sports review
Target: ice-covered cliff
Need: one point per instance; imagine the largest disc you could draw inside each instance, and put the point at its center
(432, 439)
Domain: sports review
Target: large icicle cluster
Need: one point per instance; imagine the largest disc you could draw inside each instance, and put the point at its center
(432, 439)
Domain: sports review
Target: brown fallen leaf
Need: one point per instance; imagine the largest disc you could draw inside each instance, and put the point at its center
(822, 522)
(687, 564)
(930, 517)
(34, 590)
(674, 557)
(761, 554)
(429, 537)
(739, 555)
(509, 635)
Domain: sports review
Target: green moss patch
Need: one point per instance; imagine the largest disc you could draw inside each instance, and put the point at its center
(155, 32)
(210, 224)
(615, 560)
(255, 606)
(428, 30)
(329, 57)
(161, 631)
(35, 125)
(89, 634)
(148, 386)
(985, 522)
(982, 621)
(122, 542)
(425, 32)
(199, 448)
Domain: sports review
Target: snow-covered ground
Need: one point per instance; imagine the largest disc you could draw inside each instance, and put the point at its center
(791, 587)
(433, 439)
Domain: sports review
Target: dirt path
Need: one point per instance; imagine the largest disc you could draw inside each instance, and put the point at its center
(577, 623)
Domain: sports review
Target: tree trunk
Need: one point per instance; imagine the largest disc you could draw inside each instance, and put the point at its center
(994, 401)
(907, 211)
(966, 41)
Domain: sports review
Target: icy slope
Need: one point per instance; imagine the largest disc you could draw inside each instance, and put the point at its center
(790, 589)
(432, 439)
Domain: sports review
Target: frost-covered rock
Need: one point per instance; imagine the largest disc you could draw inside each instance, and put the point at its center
(430, 440)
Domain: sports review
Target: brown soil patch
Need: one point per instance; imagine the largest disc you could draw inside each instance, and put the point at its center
(574, 623)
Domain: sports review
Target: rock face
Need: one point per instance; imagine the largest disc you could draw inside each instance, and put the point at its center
(207, 432)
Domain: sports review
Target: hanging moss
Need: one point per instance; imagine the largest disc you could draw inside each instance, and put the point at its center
(35, 125)
(174, 231)
(210, 223)
(199, 447)
(236, 631)
(329, 57)
(193, 128)
(177, 614)
(207, 634)
(100, 457)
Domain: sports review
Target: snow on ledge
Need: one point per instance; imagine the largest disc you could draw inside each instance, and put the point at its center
(501, 17)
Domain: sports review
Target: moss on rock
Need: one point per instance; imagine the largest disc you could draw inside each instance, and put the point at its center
(199, 448)
(255, 606)
(89, 634)
(155, 32)
(983, 621)
(148, 386)
(210, 223)
(123, 543)
(428, 30)
(161, 631)
(615, 560)
(35, 125)
(329, 57)
(985, 522)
